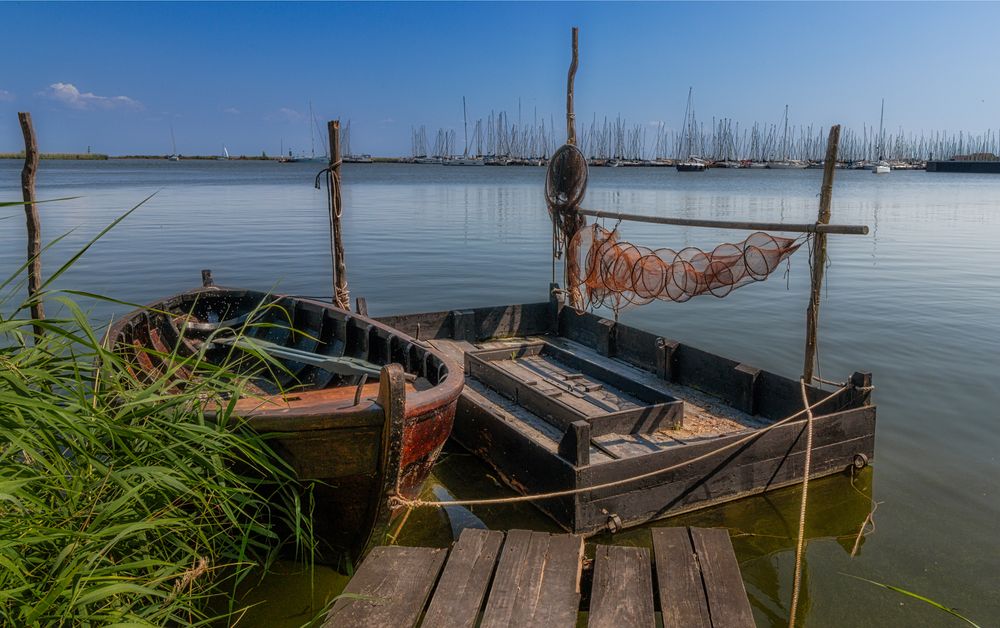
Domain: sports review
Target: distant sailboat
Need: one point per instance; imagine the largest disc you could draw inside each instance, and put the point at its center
(688, 162)
(785, 163)
(312, 158)
(225, 154)
(464, 160)
(173, 142)
(882, 166)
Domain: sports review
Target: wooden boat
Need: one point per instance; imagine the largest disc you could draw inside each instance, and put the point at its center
(361, 443)
(557, 400)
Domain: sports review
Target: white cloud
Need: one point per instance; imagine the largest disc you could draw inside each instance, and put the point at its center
(6, 96)
(289, 114)
(232, 110)
(387, 121)
(69, 95)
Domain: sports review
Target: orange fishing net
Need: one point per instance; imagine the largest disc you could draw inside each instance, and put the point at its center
(616, 273)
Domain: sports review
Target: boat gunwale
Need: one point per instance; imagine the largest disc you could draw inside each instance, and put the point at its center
(324, 415)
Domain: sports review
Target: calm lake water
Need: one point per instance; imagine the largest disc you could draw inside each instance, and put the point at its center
(916, 302)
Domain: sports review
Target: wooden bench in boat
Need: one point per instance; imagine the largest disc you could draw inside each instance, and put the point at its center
(556, 400)
(520, 579)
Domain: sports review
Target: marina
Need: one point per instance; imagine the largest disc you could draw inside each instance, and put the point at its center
(872, 279)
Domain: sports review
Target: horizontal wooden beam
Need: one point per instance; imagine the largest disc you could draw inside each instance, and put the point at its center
(732, 224)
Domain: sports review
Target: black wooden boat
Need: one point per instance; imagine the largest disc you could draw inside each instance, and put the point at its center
(362, 443)
(557, 400)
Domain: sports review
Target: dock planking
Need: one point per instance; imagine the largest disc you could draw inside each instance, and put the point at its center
(520, 578)
(389, 589)
(622, 593)
(699, 579)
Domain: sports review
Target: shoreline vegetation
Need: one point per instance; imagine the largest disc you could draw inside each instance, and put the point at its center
(126, 500)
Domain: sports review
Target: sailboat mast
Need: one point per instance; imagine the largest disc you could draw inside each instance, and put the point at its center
(881, 116)
(465, 124)
(784, 137)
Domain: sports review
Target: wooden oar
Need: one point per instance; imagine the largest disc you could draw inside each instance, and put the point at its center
(340, 365)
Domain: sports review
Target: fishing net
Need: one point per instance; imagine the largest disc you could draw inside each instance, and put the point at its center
(565, 185)
(616, 273)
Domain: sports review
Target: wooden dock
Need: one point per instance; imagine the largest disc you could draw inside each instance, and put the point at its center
(519, 578)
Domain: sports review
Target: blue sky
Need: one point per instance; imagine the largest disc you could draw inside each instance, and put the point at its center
(116, 76)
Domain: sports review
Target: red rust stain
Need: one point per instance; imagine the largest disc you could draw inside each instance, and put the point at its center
(423, 439)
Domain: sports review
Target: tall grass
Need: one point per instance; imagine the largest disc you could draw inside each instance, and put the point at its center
(125, 501)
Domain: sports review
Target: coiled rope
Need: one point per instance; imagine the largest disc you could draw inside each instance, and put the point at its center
(399, 500)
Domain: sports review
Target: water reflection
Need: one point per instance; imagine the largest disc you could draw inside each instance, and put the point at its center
(915, 303)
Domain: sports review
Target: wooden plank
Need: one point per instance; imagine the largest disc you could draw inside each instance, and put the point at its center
(460, 592)
(575, 444)
(678, 576)
(779, 442)
(425, 326)
(675, 497)
(622, 593)
(636, 346)
(724, 590)
(393, 584)
(512, 320)
(537, 582)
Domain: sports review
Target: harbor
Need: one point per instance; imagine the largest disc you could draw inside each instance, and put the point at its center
(591, 388)
(872, 279)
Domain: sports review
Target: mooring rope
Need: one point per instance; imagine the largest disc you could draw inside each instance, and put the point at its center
(797, 579)
(399, 500)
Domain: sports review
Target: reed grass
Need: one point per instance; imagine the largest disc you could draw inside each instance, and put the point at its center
(917, 596)
(125, 501)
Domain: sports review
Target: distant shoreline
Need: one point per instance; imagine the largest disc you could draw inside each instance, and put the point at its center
(101, 157)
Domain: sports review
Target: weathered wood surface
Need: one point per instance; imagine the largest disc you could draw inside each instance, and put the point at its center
(724, 590)
(341, 297)
(818, 259)
(389, 590)
(533, 579)
(699, 579)
(733, 224)
(682, 597)
(460, 592)
(537, 582)
(34, 224)
(622, 592)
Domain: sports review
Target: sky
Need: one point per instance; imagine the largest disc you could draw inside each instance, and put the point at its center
(118, 77)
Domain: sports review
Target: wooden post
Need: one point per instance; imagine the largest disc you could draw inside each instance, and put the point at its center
(570, 116)
(341, 296)
(31, 215)
(819, 253)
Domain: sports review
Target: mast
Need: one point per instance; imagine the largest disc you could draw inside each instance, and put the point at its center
(880, 118)
(784, 136)
(312, 137)
(465, 124)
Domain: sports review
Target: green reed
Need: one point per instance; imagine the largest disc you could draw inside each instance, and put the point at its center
(125, 500)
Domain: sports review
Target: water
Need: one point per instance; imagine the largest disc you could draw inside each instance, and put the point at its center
(916, 302)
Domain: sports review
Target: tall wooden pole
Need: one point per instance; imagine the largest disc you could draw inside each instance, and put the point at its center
(31, 214)
(570, 116)
(341, 296)
(819, 253)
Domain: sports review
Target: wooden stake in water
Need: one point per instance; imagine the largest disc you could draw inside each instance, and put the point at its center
(570, 116)
(31, 214)
(341, 296)
(819, 253)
